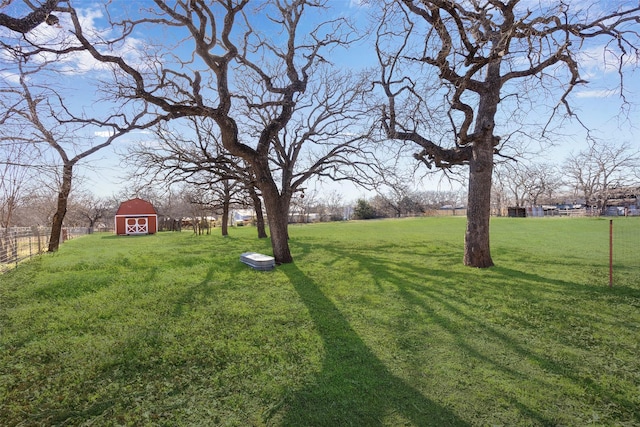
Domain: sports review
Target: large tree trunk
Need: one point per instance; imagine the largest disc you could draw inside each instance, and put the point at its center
(280, 238)
(477, 252)
(225, 216)
(257, 206)
(277, 206)
(61, 210)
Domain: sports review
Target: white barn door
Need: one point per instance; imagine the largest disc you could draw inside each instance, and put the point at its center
(137, 225)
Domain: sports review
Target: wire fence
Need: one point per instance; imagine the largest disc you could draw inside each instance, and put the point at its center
(18, 244)
(624, 250)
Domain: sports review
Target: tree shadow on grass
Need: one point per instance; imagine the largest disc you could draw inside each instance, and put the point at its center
(451, 306)
(354, 386)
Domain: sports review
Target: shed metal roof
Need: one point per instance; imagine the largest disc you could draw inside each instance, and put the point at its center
(136, 206)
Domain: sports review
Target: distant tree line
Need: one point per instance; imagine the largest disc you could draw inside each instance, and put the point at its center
(589, 177)
(394, 204)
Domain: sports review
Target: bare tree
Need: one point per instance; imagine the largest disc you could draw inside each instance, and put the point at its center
(279, 64)
(435, 199)
(476, 57)
(544, 183)
(523, 184)
(594, 172)
(396, 201)
(333, 207)
(87, 209)
(511, 180)
(13, 187)
(200, 202)
(15, 162)
(40, 113)
(192, 153)
(303, 205)
(219, 196)
(37, 207)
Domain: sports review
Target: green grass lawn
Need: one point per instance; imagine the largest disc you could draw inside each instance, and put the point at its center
(375, 323)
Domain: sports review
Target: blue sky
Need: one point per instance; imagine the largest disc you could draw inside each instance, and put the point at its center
(598, 103)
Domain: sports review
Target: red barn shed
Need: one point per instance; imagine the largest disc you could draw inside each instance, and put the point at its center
(136, 216)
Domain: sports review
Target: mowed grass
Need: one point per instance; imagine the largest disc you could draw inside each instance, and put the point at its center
(375, 323)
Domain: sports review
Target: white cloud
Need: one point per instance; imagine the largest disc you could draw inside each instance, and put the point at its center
(108, 133)
(103, 133)
(601, 93)
(10, 77)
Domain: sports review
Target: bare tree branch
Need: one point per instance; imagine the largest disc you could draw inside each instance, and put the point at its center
(38, 15)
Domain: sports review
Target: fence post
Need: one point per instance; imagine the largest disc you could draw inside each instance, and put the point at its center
(14, 248)
(610, 253)
(34, 233)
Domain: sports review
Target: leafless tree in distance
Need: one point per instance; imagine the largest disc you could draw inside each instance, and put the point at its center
(600, 168)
